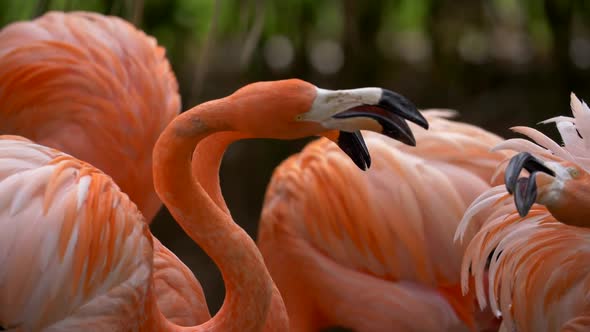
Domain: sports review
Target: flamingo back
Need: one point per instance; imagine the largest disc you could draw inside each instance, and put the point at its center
(92, 86)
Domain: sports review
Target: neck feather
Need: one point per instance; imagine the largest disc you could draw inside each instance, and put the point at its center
(206, 162)
(198, 210)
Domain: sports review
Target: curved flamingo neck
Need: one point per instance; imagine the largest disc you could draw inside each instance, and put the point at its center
(206, 163)
(247, 281)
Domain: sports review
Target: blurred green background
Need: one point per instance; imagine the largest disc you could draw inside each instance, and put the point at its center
(499, 62)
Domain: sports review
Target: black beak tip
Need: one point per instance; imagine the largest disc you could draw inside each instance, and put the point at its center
(354, 146)
(423, 122)
(509, 188)
(523, 208)
(411, 141)
(402, 136)
(403, 106)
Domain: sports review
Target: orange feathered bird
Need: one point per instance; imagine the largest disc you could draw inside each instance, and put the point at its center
(539, 276)
(77, 254)
(98, 89)
(94, 87)
(374, 251)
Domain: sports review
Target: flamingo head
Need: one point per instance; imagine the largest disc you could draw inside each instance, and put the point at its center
(295, 108)
(562, 187)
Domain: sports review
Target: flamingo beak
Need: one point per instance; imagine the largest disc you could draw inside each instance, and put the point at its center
(374, 109)
(524, 189)
(390, 112)
(353, 144)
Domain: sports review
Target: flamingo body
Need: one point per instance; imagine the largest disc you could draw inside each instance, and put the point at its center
(538, 272)
(373, 251)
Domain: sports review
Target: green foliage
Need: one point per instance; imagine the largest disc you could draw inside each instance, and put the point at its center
(537, 25)
(410, 15)
(365, 35)
(329, 20)
(87, 5)
(194, 16)
(16, 11)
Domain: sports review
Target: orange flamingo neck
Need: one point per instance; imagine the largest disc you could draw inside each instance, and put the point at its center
(196, 208)
(206, 163)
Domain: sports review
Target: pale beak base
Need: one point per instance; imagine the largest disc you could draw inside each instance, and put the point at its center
(374, 109)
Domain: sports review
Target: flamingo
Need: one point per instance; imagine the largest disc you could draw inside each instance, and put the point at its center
(93, 247)
(97, 88)
(373, 251)
(92, 86)
(537, 245)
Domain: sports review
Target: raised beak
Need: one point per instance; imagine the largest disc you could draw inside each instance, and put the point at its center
(353, 110)
(524, 189)
(390, 112)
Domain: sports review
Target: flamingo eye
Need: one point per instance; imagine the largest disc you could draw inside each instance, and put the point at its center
(574, 172)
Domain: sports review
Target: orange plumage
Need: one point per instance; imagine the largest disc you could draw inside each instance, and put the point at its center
(92, 86)
(539, 279)
(65, 228)
(107, 282)
(373, 251)
(97, 88)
